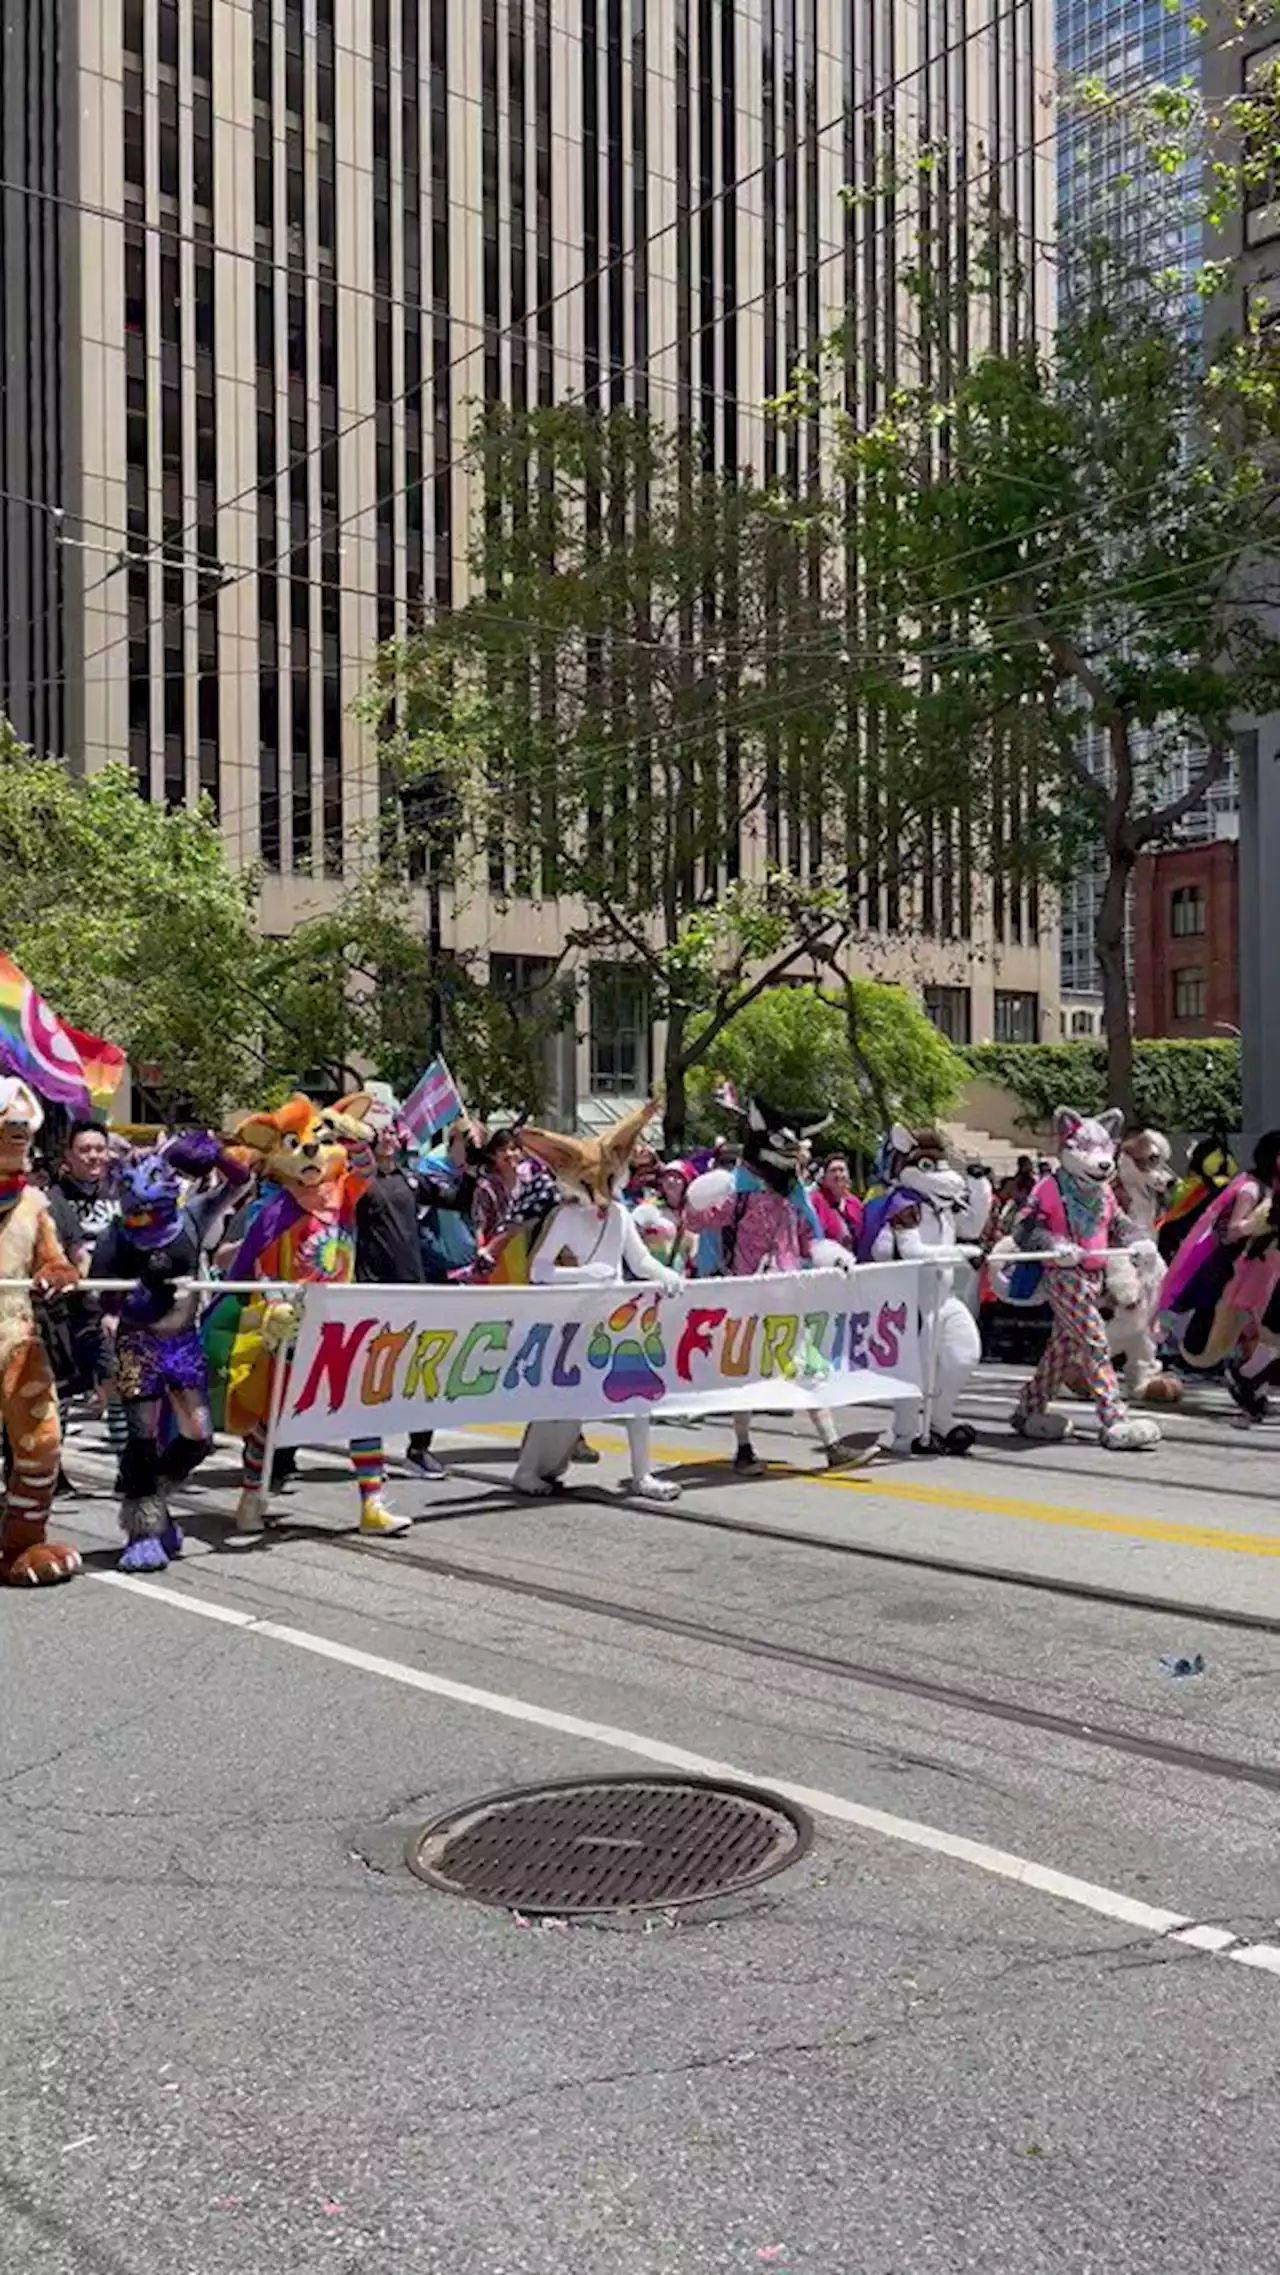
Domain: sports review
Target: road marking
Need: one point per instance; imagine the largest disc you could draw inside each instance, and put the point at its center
(1086, 1895)
(875, 1487)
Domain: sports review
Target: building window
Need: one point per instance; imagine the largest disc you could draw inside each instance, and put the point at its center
(1186, 912)
(1262, 193)
(1082, 1022)
(951, 1010)
(1189, 992)
(1017, 1017)
(619, 1031)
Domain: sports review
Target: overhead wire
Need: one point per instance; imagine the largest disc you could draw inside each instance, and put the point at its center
(523, 328)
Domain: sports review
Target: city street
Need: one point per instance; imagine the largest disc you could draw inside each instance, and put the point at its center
(1017, 2006)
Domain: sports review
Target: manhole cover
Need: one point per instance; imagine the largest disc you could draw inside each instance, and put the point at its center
(610, 1844)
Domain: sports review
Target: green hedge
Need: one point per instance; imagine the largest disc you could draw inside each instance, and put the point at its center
(1193, 1087)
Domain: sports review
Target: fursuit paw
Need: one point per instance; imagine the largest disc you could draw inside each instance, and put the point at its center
(146, 1554)
(171, 1539)
(1162, 1390)
(42, 1565)
(1043, 1429)
(376, 1517)
(651, 1488)
(1136, 1434)
(960, 1439)
(534, 1487)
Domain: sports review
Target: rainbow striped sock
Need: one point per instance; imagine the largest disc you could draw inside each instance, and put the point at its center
(370, 1467)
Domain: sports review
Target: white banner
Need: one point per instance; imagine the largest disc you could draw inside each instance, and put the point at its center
(379, 1360)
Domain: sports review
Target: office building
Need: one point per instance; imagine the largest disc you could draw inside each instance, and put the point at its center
(286, 246)
(1106, 188)
(1250, 241)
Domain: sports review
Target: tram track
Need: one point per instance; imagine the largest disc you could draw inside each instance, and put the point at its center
(908, 1559)
(960, 1698)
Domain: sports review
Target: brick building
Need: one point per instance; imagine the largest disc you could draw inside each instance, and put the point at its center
(1186, 962)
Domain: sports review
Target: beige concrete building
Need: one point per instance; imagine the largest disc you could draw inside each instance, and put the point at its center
(262, 259)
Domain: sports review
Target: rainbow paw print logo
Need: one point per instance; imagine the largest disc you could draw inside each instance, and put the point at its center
(629, 1344)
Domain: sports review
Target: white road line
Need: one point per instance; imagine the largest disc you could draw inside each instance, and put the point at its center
(1087, 1895)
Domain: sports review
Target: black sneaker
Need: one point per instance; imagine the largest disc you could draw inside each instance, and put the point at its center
(747, 1462)
(1248, 1397)
(423, 1463)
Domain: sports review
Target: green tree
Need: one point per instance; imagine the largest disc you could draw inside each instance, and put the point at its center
(130, 922)
(358, 985)
(868, 1051)
(1077, 541)
(645, 716)
(1063, 549)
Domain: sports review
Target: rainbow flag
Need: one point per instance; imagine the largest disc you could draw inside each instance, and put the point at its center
(104, 1064)
(35, 1045)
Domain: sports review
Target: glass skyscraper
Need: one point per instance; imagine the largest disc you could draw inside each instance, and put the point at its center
(1105, 190)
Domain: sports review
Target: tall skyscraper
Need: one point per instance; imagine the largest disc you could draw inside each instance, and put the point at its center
(1106, 189)
(279, 250)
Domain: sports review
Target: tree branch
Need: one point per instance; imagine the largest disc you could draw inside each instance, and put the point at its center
(729, 1003)
(1069, 661)
(1165, 818)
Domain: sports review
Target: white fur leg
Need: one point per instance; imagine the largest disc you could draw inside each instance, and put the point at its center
(642, 1481)
(1136, 1434)
(908, 1422)
(957, 1353)
(545, 1455)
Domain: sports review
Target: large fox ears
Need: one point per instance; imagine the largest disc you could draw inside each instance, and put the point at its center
(618, 1144)
(564, 1156)
(264, 1131)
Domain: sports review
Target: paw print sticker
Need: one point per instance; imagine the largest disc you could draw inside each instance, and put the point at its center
(631, 1348)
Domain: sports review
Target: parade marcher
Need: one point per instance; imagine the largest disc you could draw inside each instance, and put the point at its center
(448, 1174)
(161, 1368)
(660, 1219)
(1193, 1300)
(1210, 1169)
(835, 1204)
(499, 1187)
(755, 1218)
(29, 1251)
(926, 1210)
(315, 1168)
(1143, 1178)
(83, 1200)
(595, 1231)
(1075, 1208)
(388, 1249)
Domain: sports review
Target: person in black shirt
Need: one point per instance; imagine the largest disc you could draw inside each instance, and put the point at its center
(389, 1249)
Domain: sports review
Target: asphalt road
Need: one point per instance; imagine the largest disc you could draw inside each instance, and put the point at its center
(1018, 2007)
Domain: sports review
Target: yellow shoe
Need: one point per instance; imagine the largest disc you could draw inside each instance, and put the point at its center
(378, 1518)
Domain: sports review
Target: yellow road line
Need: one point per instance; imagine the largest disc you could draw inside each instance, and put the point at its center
(880, 1488)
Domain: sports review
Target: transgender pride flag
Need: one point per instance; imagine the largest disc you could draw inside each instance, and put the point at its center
(433, 1103)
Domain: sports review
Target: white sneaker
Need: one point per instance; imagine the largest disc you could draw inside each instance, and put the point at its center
(651, 1488)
